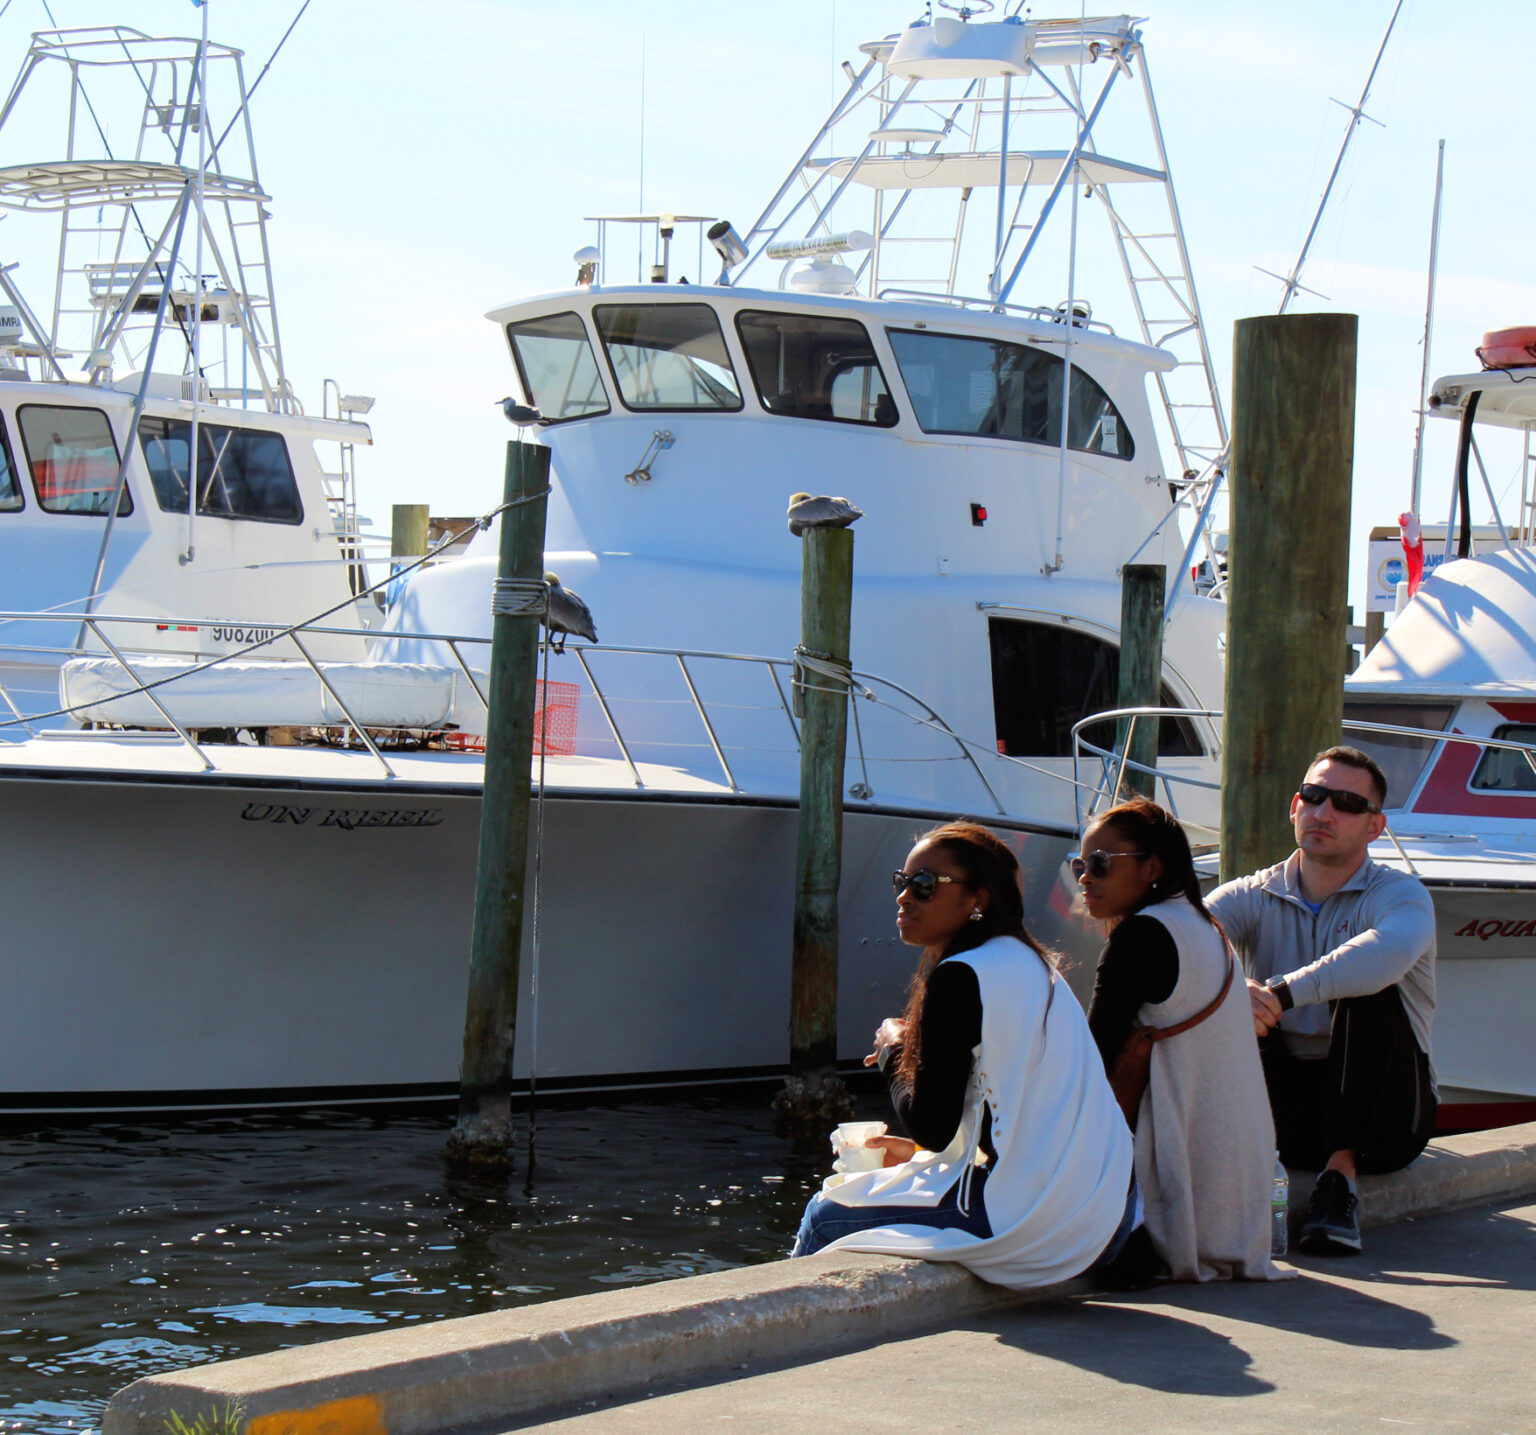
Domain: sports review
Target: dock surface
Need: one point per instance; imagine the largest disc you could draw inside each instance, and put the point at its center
(1429, 1330)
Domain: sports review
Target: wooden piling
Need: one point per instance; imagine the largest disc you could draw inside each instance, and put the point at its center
(408, 530)
(1143, 587)
(482, 1135)
(1293, 435)
(826, 599)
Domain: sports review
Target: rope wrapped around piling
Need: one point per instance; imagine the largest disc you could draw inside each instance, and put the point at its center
(838, 673)
(520, 598)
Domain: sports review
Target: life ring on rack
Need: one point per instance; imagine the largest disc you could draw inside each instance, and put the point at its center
(1509, 348)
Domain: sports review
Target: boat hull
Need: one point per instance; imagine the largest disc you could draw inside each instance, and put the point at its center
(217, 944)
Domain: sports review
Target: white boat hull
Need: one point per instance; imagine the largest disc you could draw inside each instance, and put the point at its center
(221, 944)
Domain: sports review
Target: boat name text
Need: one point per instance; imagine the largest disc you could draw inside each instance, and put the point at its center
(1493, 928)
(244, 635)
(344, 817)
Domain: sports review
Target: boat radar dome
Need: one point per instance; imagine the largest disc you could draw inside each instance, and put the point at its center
(587, 258)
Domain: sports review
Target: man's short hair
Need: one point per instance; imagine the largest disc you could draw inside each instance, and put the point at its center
(1353, 757)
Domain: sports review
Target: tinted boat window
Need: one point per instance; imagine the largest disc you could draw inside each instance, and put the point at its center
(806, 366)
(241, 473)
(11, 496)
(1503, 769)
(668, 356)
(995, 389)
(73, 458)
(1046, 677)
(1401, 758)
(557, 366)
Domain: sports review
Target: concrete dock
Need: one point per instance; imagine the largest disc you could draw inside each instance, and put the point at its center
(1430, 1328)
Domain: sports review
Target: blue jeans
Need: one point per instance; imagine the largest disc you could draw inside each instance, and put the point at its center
(825, 1221)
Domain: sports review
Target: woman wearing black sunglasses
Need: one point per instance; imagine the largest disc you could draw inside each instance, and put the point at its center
(1205, 1143)
(1018, 1163)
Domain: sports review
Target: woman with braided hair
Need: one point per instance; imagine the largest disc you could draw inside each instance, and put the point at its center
(1205, 1142)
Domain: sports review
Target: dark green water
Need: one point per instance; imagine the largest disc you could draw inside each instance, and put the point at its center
(128, 1249)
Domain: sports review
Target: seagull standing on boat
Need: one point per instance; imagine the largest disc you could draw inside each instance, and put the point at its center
(568, 615)
(519, 415)
(822, 512)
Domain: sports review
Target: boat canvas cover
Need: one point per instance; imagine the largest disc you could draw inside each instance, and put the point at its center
(263, 694)
(1469, 631)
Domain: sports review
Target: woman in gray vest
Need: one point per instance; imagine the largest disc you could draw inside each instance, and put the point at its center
(1205, 1143)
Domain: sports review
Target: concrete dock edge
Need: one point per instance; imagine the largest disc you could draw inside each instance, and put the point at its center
(509, 1364)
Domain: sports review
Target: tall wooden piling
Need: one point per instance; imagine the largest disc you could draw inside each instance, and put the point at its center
(1142, 590)
(482, 1135)
(826, 599)
(1293, 436)
(408, 530)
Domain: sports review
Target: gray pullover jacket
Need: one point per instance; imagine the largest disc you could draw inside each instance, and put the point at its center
(1376, 931)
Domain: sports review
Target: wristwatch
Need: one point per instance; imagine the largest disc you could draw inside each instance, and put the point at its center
(1282, 992)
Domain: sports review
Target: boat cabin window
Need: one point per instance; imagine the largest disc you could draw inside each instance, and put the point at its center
(806, 366)
(999, 390)
(241, 473)
(1046, 677)
(558, 369)
(668, 356)
(73, 459)
(1401, 759)
(1505, 769)
(11, 496)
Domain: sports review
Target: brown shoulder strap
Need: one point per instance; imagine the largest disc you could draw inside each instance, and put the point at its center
(1162, 1033)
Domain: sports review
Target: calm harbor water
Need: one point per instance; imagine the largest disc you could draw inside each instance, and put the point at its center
(128, 1248)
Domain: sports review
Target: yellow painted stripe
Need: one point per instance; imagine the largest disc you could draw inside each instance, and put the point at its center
(360, 1415)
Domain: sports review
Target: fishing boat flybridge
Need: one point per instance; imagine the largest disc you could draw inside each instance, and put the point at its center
(276, 923)
(137, 324)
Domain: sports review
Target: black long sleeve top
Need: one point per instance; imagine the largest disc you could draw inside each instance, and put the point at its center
(949, 1030)
(1139, 964)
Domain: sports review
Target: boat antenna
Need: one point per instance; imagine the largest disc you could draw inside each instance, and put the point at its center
(1293, 285)
(256, 84)
(1429, 321)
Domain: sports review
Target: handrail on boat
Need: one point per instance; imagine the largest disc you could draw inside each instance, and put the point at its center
(862, 687)
(1114, 763)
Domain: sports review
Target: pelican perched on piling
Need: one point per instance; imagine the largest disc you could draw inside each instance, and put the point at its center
(568, 615)
(823, 512)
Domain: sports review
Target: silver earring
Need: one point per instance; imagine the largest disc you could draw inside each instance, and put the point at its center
(975, 916)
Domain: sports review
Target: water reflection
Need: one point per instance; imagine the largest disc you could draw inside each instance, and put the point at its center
(129, 1249)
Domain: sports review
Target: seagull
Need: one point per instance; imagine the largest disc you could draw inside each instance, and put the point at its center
(823, 512)
(520, 414)
(568, 615)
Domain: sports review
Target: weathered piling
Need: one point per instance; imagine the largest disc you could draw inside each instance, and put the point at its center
(826, 599)
(1142, 590)
(408, 530)
(482, 1135)
(1293, 435)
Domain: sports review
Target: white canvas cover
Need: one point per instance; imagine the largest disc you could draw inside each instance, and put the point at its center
(265, 694)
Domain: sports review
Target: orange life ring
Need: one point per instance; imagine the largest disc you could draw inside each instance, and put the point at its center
(1509, 348)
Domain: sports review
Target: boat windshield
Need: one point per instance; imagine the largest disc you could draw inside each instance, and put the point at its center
(1505, 769)
(241, 473)
(994, 389)
(73, 458)
(1401, 758)
(806, 366)
(559, 371)
(668, 356)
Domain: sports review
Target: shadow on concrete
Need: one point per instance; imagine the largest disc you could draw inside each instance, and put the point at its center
(1135, 1346)
(1492, 1250)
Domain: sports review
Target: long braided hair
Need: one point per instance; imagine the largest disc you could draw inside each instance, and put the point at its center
(987, 864)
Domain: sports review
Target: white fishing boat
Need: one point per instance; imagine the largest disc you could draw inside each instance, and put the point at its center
(267, 923)
(1458, 664)
(148, 328)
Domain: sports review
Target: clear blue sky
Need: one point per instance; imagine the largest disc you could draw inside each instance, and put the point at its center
(428, 161)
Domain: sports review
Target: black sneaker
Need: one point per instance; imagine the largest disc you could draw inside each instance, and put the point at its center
(1331, 1226)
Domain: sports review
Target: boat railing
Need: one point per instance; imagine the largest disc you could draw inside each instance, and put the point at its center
(629, 735)
(1044, 312)
(1096, 794)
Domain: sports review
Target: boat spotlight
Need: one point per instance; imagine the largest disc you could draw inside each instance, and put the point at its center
(728, 246)
(587, 259)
